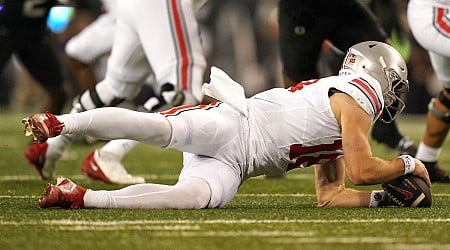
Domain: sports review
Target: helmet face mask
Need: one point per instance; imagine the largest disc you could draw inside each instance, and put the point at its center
(385, 64)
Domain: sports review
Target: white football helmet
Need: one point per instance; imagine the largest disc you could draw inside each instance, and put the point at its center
(382, 62)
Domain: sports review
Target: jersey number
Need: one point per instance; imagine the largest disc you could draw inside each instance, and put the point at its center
(303, 156)
(34, 8)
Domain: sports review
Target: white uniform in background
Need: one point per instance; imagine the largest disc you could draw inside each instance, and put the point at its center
(157, 37)
(430, 24)
(429, 21)
(167, 49)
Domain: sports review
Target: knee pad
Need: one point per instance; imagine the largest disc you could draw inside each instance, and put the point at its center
(97, 97)
(444, 100)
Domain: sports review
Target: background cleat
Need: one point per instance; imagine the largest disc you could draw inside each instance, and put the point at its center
(36, 155)
(406, 146)
(436, 173)
(106, 167)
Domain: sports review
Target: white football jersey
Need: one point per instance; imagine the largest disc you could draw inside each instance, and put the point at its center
(296, 128)
(284, 128)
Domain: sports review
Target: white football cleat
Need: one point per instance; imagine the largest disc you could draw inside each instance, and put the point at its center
(106, 167)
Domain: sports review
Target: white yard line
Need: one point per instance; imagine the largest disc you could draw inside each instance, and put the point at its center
(388, 242)
(208, 222)
(191, 228)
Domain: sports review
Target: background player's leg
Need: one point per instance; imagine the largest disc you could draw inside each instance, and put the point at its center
(176, 53)
(438, 123)
(48, 74)
(179, 66)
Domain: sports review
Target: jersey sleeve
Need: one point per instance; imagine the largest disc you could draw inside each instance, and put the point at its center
(367, 93)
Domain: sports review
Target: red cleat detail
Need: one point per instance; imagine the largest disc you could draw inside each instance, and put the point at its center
(42, 126)
(106, 167)
(91, 169)
(64, 194)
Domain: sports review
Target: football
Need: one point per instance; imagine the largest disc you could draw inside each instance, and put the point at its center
(408, 191)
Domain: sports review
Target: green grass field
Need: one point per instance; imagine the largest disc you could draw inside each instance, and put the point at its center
(266, 213)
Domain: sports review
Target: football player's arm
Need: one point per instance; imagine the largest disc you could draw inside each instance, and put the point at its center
(331, 190)
(362, 168)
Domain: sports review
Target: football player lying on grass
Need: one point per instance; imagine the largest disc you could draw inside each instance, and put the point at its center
(322, 122)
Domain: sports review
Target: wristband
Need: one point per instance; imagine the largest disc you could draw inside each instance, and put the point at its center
(410, 164)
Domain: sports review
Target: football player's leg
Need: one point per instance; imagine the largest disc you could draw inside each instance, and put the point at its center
(48, 74)
(176, 55)
(205, 129)
(193, 193)
(181, 62)
(331, 190)
(126, 71)
(202, 129)
(298, 40)
(438, 122)
(113, 123)
(89, 45)
(429, 30)
(94, 40)
(119, 147)
(204, 183)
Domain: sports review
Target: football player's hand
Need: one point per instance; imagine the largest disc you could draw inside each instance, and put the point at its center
(421, 171)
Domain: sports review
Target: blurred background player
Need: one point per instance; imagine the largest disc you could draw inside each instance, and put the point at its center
(105, 163)
(151, 37)
(24, 32)
(305, 26)
(430, 24)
